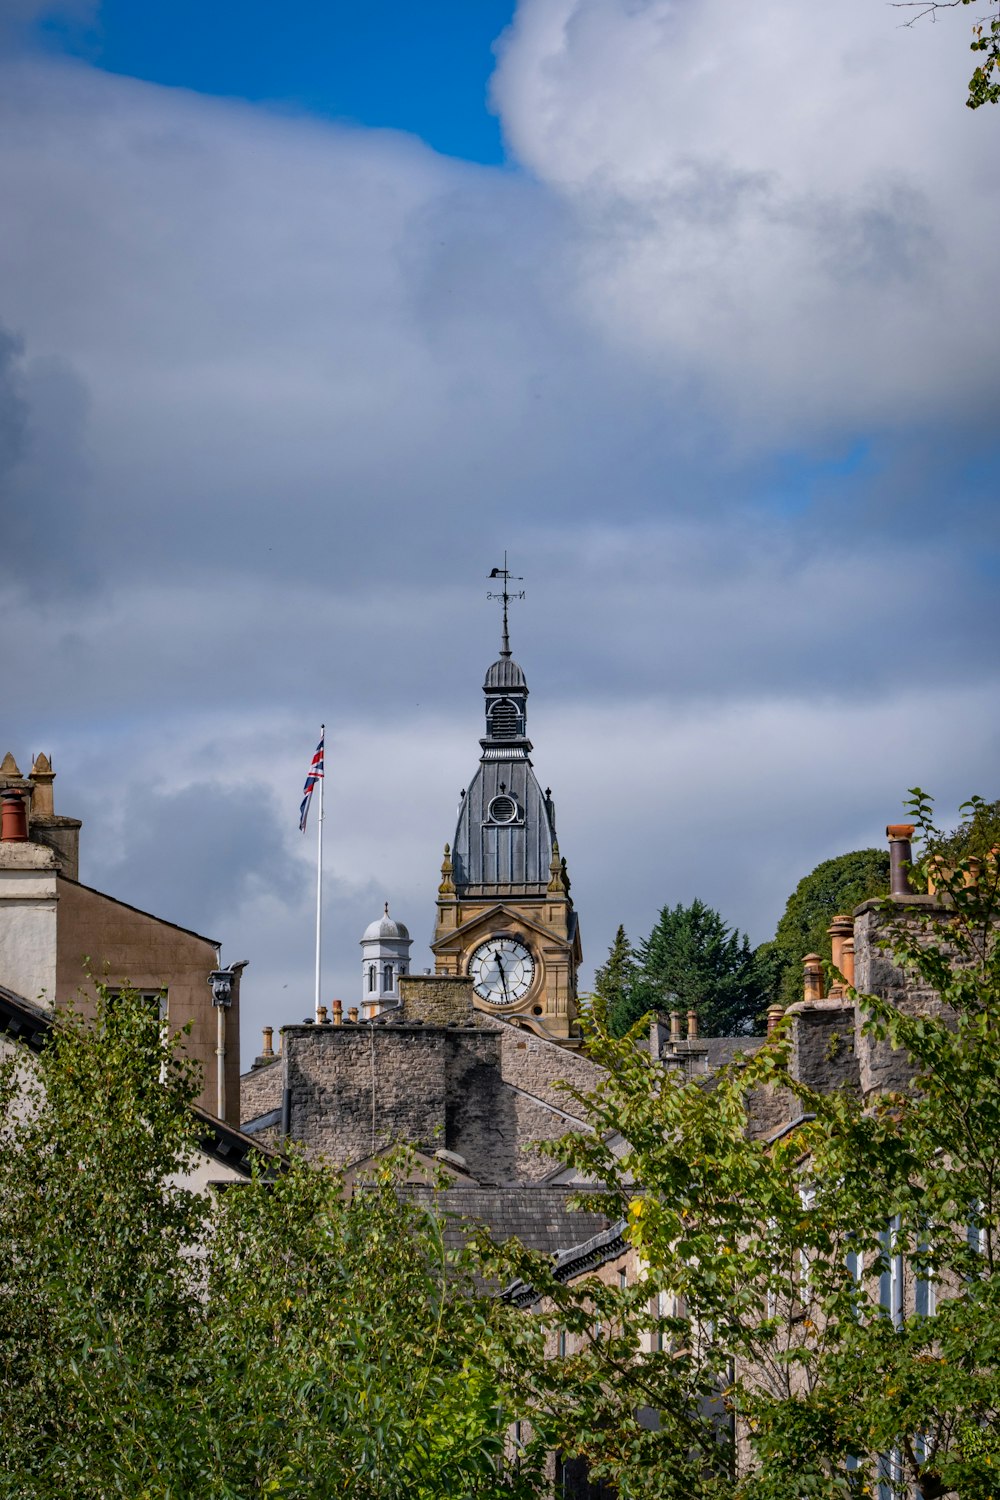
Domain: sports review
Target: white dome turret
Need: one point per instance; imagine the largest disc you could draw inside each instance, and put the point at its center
(385, 955)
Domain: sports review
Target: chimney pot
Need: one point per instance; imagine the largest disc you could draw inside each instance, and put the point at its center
(847, 961)
(13, 819)
(321, 1014)
(675, 1026)
(774, 1015)
(841, 929)
(352, 1014)
(268, 1048)
(812, 966)
(338, 1012)
(900, 858)
(692, 1025)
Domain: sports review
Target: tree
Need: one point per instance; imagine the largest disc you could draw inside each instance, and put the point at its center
(977, 835)
(787, 1363)
(834, 886)
(692, 960)
(984, 85)
(283, 1338)
(616, 984)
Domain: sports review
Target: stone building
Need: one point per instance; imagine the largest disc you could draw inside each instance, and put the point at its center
(434, 1073)
(57, 936)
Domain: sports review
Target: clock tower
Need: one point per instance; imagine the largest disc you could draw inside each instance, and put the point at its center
(505, 916)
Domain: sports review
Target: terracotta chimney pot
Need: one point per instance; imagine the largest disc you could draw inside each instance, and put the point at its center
(14, 818)
(352, 1014)
(267, 1050)
(812, 966)
(692, 1025)
(973, 870)
(774, 1015)
(321, 1015)
(847, 961)
(676, 1034)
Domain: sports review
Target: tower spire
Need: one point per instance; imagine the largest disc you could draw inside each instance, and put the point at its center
(506, 596)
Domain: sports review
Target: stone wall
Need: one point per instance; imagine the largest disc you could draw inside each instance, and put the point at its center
(881, 1066)
(540, 1067)
(436, 998)
(824, 1045)
(356, 1089)
(260, 1091)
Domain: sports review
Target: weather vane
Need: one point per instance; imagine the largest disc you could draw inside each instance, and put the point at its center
(506, 596)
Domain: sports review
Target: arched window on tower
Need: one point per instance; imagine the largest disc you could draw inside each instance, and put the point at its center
(387, 977)
(371, 976)
(504, 720)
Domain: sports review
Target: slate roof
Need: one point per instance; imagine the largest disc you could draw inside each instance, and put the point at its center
(538, 1215)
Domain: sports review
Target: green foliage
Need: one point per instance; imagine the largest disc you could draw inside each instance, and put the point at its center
(692, 960)
(616, 985)
(774, 1259)
(835, 886)
(976, 836)
(281, 1338)
(984, 85)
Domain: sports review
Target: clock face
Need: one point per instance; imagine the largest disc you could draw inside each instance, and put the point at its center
(502, 971)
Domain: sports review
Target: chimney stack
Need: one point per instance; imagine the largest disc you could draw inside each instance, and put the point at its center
(14, 822)
(900, 858)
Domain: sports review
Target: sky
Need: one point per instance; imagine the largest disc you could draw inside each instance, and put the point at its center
(307, 314)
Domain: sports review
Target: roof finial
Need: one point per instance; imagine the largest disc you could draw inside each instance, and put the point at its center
(387, 908)
(506, 596)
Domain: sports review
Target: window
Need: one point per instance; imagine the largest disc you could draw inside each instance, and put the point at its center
(503, 720)
(924, 1289)
(156, 1000)
(890, 1282)
(387, 977)
(562, 1343)
(371, 977)
(660, 1310)
(622, 1279)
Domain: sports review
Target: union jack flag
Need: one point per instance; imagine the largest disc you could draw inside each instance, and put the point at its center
(315, 772)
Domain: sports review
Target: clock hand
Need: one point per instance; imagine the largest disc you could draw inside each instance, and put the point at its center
(503, 978)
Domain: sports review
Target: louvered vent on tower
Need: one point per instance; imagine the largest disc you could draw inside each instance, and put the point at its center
(503, 720)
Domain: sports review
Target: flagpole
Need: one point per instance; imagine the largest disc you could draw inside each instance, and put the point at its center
(319, 873)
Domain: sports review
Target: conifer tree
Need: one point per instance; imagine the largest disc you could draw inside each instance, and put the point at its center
(615, 984)
(693, 960)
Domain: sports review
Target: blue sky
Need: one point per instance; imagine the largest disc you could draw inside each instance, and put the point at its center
(379, 63)
(292, 349)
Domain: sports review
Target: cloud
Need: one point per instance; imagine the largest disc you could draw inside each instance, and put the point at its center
(796, 210)
(712, 365)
